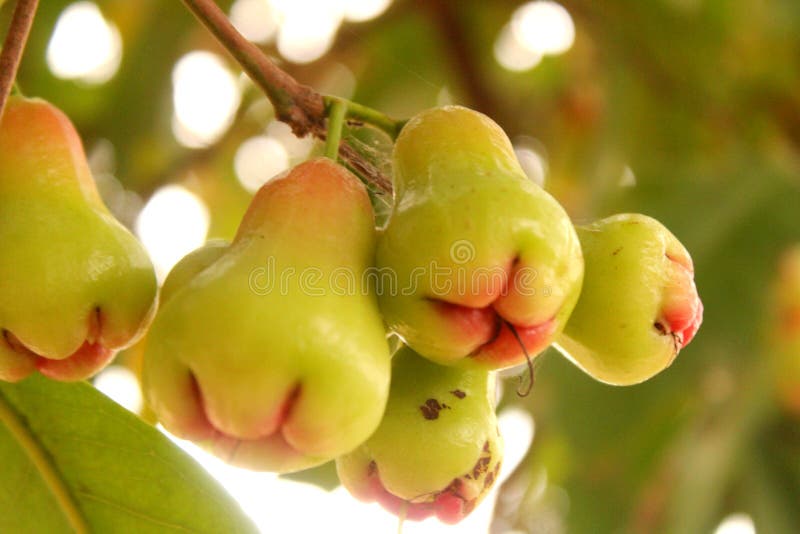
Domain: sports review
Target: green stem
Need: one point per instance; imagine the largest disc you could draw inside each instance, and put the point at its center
(41, 461)
(370, 116)
(14, 46)
(336, 115)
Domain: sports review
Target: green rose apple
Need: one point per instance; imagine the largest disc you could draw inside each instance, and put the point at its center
(473, 248)
(639, 305)
(271, 351)
(75, 285)
(437, 451)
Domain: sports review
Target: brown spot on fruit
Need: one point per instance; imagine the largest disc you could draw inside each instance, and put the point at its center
(458, 393)
(430, 410)
(481, 466)
(616, 251)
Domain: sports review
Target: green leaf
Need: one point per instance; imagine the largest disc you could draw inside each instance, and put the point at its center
(72, 460)
(323, 476)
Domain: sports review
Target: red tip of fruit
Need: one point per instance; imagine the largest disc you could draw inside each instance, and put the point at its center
(81, 364)
(85, 362)
(201, 427)
(493, 340)
(470, 323)
(694, 326)
(505, 348)
(448, 505)
(682, 311)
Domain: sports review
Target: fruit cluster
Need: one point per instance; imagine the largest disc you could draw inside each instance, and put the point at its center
(271, 350)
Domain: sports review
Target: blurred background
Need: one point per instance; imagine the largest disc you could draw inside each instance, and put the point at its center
(685, 110)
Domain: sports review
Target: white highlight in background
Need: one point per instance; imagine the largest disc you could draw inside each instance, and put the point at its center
(363, 10)
(205, 95)
(296, 147)
(258, 160)
(84, 45)
(628, 178)
(308, 29)
(736, 524)
(511, 54)
(257, 20)
(517, 430)
(173, 223)
(120, 385)
(532, 163)
(543, 26)
(289, 501)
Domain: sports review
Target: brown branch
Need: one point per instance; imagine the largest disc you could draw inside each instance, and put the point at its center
(299, 106)
(445, 15)
(14, 46)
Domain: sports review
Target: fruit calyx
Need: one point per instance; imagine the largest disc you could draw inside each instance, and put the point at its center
(680, 318)
(504, 341)
(272, 431)
(84, 362)
(451, 504)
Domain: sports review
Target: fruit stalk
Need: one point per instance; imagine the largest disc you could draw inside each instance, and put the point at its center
(366, 114)
(14, 46)
(336, 115)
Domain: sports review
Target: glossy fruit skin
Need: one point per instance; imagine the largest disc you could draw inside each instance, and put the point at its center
(473, 245)
(75, 285)
(278, 378)
(784, 330)
(437, 450)
(639, 304)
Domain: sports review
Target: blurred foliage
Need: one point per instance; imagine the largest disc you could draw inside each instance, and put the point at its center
(699, 99)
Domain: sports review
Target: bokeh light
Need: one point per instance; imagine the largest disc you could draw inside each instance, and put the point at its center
(363, 10)
(305, 28)
(532, 163)
(120, 385)
(259, 159)
(517, 430)
(257, 20)
(511, 54)
(308, 29)
(736, 524)
(297, 147)
(205, 95)
(544, 27)
(628, 178)
(84, 45)
(173, 223)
